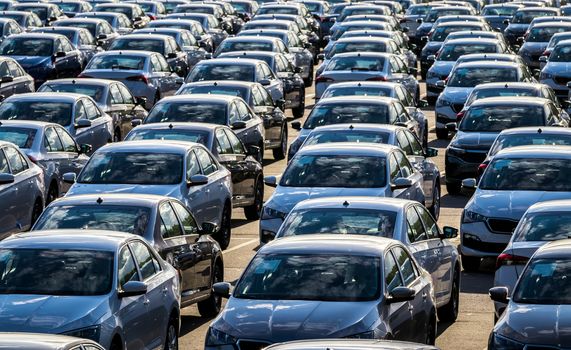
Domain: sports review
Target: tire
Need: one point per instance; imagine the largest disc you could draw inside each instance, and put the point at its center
(280, 152)
(211, 306)
(260, 155)
(52, 193)
(470, 263)
(453, 188)
(116, 345)
(309, 80)
(417, 97)
(225, 232)
(441, 134)
(171, 341)
(299, 110)
(425, 137)
(435, 208)
(431, 331)
(36, 211)
(253, 211)
(117, 136)
(449, 312)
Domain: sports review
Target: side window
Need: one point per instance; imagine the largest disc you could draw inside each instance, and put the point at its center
(66, 140)
(58, 47)
(393, 66)
(16, 160)
(155, 65)
(402, 66)
(66, 46)
(206, 162)
(403, 142)
(170, 226)
(192, 166)
(52, 141)
(267, 71)
(280, 67)
(116, 97)
(80, 111)
(188, 222)
(266, 97)
(237, 146)
(145, 260)
(392, 276)
(394, 167)
(404, 164)
(4, 70)
(234, 116)
(414, 143)
(164, 64)
(282, 48)
(408, 97)
(127, 268)
(415, 229)
(243, 111)
(400, 94)
(554, 111)
(91, 110)
(127, 96)
(4, 169)
(259, 73)
(405, 263)
(402, 115)
(256, 97)
(429, 223)
(222, 143)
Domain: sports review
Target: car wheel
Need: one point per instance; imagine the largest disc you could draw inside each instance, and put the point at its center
(453, 188)
(281, 151)
(470, 263)
(52, 193)
(211, 306)
(309, 80)
(441, 134)
(36, 211)
(425, 137)
(431, 331)
(171, 342)
(253, 211)
(225, 231)
(417, 93)
(435, 208)
(300, 110)
(449, 312)
(117, 136)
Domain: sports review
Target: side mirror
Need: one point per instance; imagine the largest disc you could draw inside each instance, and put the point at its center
(141, 101)
(327, 38)
(271, 181)
(412, 71)
(307, 45)
(7, 79)
(133, 288)
(401, 183)
(281, 103)
(59, 54)
(208, 228)
(536, 73)
(422, 104)
(412, 46)
(468, 186)
(252, 150)
(424, 39)
(138, 18)
(222, 289)
(451, 127)
(136, 122)
(196, 180)
(171, 55)
(449, 232)
(404, 29)
(321, 57)
(83, 123)
(499, 294)
(506, 21)
(296, 125)
(440, 83)
(102, 36)
(238, 125)
(265, 82)
(400, 294)
(543, 59)
(297, 69)
(431, 152)
(6, 178)
(69, 178)
(51, 19)
(419, 20)
(85, 148)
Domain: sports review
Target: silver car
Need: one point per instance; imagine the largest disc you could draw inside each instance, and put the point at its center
(337, 169)
(349, 344)
(110, 287)
(557, 73)
(406, 221)
(39, 341)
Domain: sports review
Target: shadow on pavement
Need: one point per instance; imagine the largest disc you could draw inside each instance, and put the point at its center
(239, 222)
(191, 322)
(449, 201)
(478, 282)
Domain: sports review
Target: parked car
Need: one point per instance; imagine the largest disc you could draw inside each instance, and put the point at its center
(25, 19)
(497, 14)
(556, 72)
(72, 7)
(519, 23)
(538, 38)
(46, 12)
(9, 27)
(555, 39)
(99, 29)
(318, 266)
(426, 23)
(203, 38)
(123, 294)
(118, 21)
(13, 78)
(209, 23)
(132, 11)
(80, 38)
(38, 341)
(153, 9)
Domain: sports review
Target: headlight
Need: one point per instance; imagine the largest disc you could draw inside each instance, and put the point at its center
(498, 342)
(91, 333)
(544, 75)
(364, 335)
(442, 102)
(471, 216)
(271, 213)
(215, 337)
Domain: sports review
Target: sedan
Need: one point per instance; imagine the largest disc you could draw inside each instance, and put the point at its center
(340, 169)
(519, 23)
(406, 221)
(72, 7)
(132, 11)
(537, 39)
(99, 29)
(47, 12)
(349, 344)
(182, 170)
(118, 21)
(209, 23)
(9, 27)
(204, 39)
(21, 191)
(13, 78)
(557, 73)
(497, 14)
(165, 223)
(91, 283)
(26, 20)
(327, 286)
(223, 143)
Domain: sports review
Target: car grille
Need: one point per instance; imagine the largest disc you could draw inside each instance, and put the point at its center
(487, 247)
(252, 344)
(561, 80)
(502, 225)
(457, 107)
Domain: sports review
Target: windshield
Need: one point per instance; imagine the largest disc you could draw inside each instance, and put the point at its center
(498, 118)
(23, 46)
(357, 47)
(277, 11)
(470, 77)
(357, 91)
(333, 113)
(561, 54)
(317, 137)
(44, 111)
(70, 34)
(545, 281)
(335, 171)
(451, 52)
(440, 34)
(138, 45)
(501, 92)
(93, 91)
(513, 140)
(311, 277)
(123, 62)
(531, 174)
(63, 272)
(92, 27)
(544, 34)
(550, 226)
(133, 168)
(221, 72)
(216, 90)
(21, 137)
(499, 11)
(191, 111)
(170, 135)
(228, 46)
(339, 221)
(356, 64)
(525, 17)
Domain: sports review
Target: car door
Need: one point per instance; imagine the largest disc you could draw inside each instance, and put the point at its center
(8, 206)
(63, 65)
(7, 88)
(249, 165)
(414, 192)
(271, 83)
(197, 195)
(101, 124)
(274, 119)
(398, 315)
(215, 186)
(234, 163)
(56, 158)
(25, 194)
(23, 82)
(170, 82)
(74, 161)
(425, 166)
(82, 135)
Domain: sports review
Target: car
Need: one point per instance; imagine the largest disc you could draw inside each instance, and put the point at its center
(319, 9)
(50, 147)
(352, 344)
(13, 78)
(9, 27)
(6, 4)
(165, 223)
(72, 7)
(202, 37)
(153, 9)
(246, 43)
(426, 23)
(496, 57)
(464, 34)
(43, 56)
(78, 114)
(182, 170)
(357, 25)
(497, 14)
(361, 9)
(211, 8)
(131, 10)
(112, 97)
(515, 179)
(555, 39)
(538, 292)
(406, 221)
(99, 29)
(399, 37)
(118, 21)
(412, 14)
(279, 24)
(340, 169)
(519, 23)
(242, 69)
(537, 39)
(21, 190)
(146, 74)
(556, 72)
(481, 124)
(318, 266)
(210, 25)
(38, 341)
(357, 66)
(106, 274)
(463, 78)
(25, 19)
(47, 12)
(244, 8)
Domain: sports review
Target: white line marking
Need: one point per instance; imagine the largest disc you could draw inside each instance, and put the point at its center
(239, 246)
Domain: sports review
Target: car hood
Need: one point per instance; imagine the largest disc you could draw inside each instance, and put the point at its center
(510, 204)
(285, 320)
(31, 61)
(456, 94)
(442, 67)
(537, 324)
(163, 190)
(533, 47)
(431, 48)
(474, 140)
(50, 314)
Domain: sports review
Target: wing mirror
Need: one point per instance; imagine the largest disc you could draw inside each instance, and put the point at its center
(520, 40)
(422, 104)
(133, 288)
(271, 181)
(208, 228)
(506, 21)
(7, 79)
(499, 294)
(424, 39)
(412, 71)
(419, 20)
(59, 54)
(141, 101)
(401, 183)
(196, 180)
(431, 152)
(85, 148)
(400, 294)
(238, 125)
(297, 70)
(468, 186)
(265, 82)
(69, 178)
(136, 122)
(543, 59)
(451, 127)
(82, 123)
(296, 125)
(440, 84)
(321, 57)
(252, 150)
(171, 55)
(449, 232)
(6, 178)
(404, 29)
(281, 104)
(222, 289)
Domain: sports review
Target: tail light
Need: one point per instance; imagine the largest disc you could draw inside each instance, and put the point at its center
(152, 17)
(321, 79)
(481, 168)
(460, 115)
(140, 78)
(33, 159)
(377, 79)
(509, 260)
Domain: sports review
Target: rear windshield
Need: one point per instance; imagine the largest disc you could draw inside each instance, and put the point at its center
(507, 141)
(550, 226)
(451, 52)
(500, 92)
(138, 45)
(525, 17)
(499, 11)
(316, 137)
(21, 137)
(170, 135)
(544, 34)
(356, 91)
(440, 34)
(122, 62)
(221, 72)
(470, 77)
(356, 64)
(191, 111)
(357, 47)
(332, 113)
(527, 174)
(93, 91)
(561, 54)
(498, 118)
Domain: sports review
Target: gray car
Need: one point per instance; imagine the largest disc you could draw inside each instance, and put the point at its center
(13, 78)
(497, 14)
(78, 114)
(536, 41)
(146, 74)
(38, 341)
(412, 14)
(406, 221)
(519, 23)
(204, 39)
(47, 12)
(72, 7)
(210, 25)
(9, 27)
(556, 73)
(99, 29)
(327, 286)
(21, 190)
(426, 23)
(538, 307)
(50, 147)
(340, 169)
(133, 11)
(119, 21)
(110, 287)
(27, 20)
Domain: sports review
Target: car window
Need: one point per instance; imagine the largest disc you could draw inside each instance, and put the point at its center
(234, 116)
(394, 167)
(4, 70)
(400, 94)
(66, 46)
(52, 141)
(66, 140)
(404, 164)
(237, 146)
(4, 169)
(429, 223)
(206, 162)
(268, 74)
(91, 110)
(15, 71)
(403, 142)
(243, 111)
(145, 260)
(414, 144)
(58, 47)
(192, 166)
(280, 66)
(392, 276)
(268, 101)
(406, 267)
(164, 64)
(188, 222)
(257, 97)
(116, 97)
(415, 228)
(127, 268)
(127, 96)
(155, 65)
(170, 226)
(222, 143)
(393, 66)
(259, 73)
(80, 111)
(16, 160)
(402, 115)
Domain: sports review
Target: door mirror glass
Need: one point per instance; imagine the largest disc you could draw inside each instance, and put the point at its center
(238, 125)
(85, 148)
(431, 152)
(499, 294)
(7, 79)
(449, 232)
(69, 178)
(271, 181)
(198, 179)
(209, 228)
(83, 123)
(222, 289)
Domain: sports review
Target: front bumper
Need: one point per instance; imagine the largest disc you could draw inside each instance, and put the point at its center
(477, 240)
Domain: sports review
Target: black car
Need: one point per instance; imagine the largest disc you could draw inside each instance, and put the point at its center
(247, 173)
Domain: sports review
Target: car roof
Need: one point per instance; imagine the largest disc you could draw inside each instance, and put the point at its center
(237, 54)
(80, 20)
(519, 100)
(490, 56)
(347, 127)
(36, 35)
(231, 61)
(552, 24)
(363, 39)
(212, 98)
(488, 64)
(518, 85)
(252, 38)
(348, 344)
(231, 83)
(38, 341)
(127, 52)
(27, 124)
(150, 146)
(209, 127)
(49, 96)
(46, 30)
(379, 84)
(348, 148)
(472, 41)
(38, 4)
(355, 202)
(100, 240)
(534, 151)
(550, 206)
(460, 24)
(554, 249)
(83, 81)
(364, 54)
(100, 13)
(357, 99)
(158, 30)
(144, 36)
(116, 4)
(531, 130)
(144, 200)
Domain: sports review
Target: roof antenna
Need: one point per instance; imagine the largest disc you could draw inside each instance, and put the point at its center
(345, 204)
(351, 127)
(99, 200)
(170, 126)
(539, 131)
(506, 86)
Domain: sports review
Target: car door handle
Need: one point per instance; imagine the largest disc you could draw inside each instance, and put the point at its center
(424, 295)
(146, 301)
(165, 291)
(410, 307)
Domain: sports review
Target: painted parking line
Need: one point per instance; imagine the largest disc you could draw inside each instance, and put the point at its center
(240, 246)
